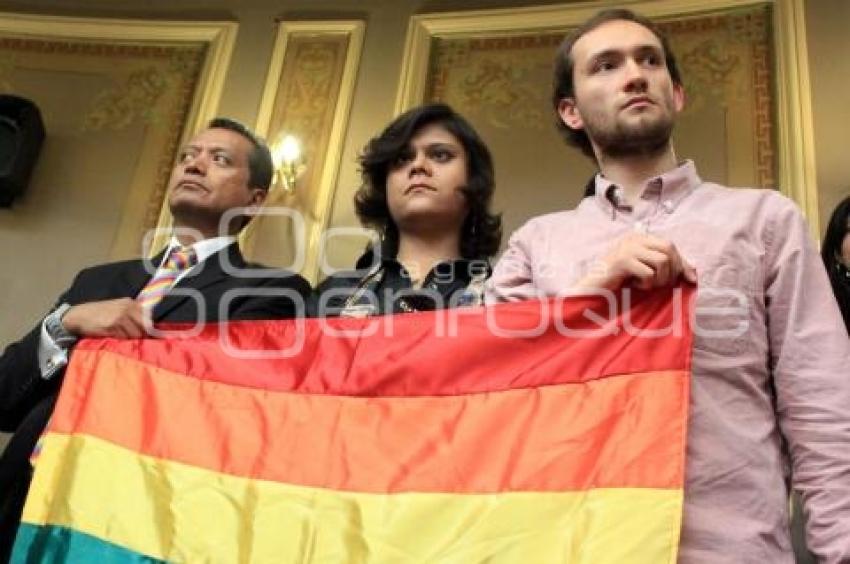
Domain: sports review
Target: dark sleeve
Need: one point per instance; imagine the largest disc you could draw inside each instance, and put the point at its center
(313, 309)
(281, 296)
(20, 380)
(21, 384)
(329, 298)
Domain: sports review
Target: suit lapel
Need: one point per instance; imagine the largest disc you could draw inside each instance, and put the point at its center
(208, 274)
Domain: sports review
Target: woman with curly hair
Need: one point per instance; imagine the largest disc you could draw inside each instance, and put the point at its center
(836, 256)
(427, 188)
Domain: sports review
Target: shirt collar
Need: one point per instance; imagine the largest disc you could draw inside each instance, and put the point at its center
(669, 188)
(205, 248)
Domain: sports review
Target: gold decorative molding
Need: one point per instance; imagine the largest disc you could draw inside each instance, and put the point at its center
(795, 126)
(795, 163)
(724, 59)
(215, 38)
(134, 99)
(308, 93)
(7, 65)
(499, 77)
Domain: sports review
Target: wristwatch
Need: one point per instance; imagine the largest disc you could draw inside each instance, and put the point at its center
(53, 325)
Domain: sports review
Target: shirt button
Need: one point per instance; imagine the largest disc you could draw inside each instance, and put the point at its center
(667, 205)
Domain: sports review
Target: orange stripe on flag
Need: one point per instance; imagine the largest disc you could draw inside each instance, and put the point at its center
(624, 431)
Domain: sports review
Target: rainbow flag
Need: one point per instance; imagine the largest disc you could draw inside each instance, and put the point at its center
(548, 431)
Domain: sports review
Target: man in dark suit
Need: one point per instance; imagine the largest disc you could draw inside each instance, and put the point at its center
(200, 277)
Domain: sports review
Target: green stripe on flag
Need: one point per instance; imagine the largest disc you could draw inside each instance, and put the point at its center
(60, 544)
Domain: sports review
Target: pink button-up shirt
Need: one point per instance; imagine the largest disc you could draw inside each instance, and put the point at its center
(770, 397)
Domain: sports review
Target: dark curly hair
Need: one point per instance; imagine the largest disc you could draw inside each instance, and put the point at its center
(563, 86)
(830, 252)
(481, 232)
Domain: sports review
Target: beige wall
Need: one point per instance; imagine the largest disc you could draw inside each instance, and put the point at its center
(68, 216)
(40, 257)
(34, 233)
(829, 60)
(39, 218)
(38, 261)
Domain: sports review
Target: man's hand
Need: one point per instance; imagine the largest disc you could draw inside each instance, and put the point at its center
(123, 318)
(652, 262)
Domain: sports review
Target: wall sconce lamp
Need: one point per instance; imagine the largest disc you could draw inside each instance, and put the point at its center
(288, 166)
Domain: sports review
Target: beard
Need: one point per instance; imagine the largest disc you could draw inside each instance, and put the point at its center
(645, 137)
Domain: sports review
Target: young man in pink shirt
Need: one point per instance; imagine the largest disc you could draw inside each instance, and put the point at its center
(770, 400)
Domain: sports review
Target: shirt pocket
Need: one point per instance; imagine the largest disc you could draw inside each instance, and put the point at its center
(728, 313)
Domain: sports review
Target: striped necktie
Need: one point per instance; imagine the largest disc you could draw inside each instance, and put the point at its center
(180, 260)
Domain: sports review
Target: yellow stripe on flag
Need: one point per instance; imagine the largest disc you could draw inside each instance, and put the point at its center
(177, 512)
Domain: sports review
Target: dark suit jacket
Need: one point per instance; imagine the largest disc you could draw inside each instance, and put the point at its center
(26, 399)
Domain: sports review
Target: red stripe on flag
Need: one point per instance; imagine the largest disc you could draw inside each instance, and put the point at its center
(410, 361)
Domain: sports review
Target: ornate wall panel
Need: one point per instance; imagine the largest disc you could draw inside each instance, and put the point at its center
(138, 98)
(308, 94)
(496, 68)
(726, 65)
(120, 95)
